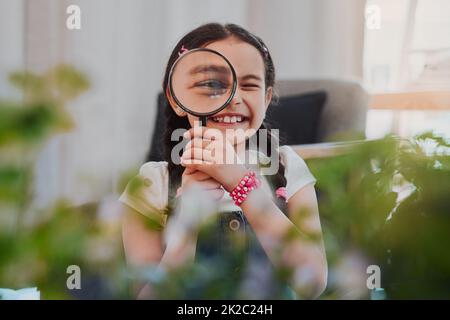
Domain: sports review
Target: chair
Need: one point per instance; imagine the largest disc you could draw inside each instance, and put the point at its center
(345, 108)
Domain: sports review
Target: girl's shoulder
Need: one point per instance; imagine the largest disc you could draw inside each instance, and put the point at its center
(289, 157)
(296, 170)
(149, 169)
(147, 192)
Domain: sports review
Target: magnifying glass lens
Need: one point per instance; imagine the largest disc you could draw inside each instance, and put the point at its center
(202, 81)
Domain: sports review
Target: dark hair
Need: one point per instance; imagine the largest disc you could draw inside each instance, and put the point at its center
(197, 38)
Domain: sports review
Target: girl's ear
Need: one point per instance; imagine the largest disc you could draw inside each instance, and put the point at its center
(269, 93)
(180, 112)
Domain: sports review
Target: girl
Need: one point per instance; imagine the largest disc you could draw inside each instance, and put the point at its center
(275, 214)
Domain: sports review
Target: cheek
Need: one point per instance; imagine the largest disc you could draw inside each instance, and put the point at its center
(258, 109)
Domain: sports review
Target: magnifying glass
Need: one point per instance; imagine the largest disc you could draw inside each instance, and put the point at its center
(202, 82)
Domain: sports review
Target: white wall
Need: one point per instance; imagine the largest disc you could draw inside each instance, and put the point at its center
(12, 17)
(123, 47)
(312, 38)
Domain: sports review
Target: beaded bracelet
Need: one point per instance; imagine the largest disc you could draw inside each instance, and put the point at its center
(248, 183)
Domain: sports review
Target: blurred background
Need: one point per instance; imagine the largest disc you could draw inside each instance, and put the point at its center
(383, 66)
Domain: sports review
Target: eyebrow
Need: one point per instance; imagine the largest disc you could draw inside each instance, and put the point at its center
(221, 70)
(251, 76)
(209, 68)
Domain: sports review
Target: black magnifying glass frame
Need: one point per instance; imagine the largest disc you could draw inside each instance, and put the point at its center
(202, 115)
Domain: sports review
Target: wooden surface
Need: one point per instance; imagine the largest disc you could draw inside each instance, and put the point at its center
(424, 100)
(324, 150)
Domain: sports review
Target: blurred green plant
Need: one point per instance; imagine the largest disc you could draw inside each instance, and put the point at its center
(37, 246)
(25, 126)
(384, 202)
(389, 201)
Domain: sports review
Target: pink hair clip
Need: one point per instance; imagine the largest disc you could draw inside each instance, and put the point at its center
(182, 50)
(281, 192)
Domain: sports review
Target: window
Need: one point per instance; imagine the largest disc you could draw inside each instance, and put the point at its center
(407, 67)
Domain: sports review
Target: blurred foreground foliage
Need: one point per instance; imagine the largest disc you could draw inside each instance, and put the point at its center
(387, 203)
(38, 245)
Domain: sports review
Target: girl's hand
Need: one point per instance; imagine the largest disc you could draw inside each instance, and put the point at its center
(210, 152)
(191, 213)
(207, 184)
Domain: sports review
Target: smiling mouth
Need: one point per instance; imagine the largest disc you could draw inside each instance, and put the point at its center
(228, 119)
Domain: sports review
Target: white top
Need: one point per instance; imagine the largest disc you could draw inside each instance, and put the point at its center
(148, 192)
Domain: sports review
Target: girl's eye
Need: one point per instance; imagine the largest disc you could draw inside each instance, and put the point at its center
(212, 84)
(251, 86)
(212, 88)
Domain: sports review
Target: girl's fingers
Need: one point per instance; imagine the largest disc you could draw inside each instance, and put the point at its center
(198, 143)
(196, 155)
(193, 154)
(195, 164)
(212, 150)
(189, 171)
(216, 145)
(196, 175)
(203, 132)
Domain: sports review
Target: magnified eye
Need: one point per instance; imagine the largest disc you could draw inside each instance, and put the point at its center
(212, 84)
(213, 87)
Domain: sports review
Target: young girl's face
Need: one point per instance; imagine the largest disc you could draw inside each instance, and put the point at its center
(248, 107)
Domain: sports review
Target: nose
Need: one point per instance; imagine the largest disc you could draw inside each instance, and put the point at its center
(237, 98)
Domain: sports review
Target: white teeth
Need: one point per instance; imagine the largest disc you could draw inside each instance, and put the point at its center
(228, 119)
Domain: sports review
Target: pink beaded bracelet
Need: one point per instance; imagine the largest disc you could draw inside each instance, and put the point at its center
(248, 183)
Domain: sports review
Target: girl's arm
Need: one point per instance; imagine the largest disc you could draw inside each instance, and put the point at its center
(144, 247)
(305, 257)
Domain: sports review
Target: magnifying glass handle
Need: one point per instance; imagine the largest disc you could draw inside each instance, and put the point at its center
(203, 121)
